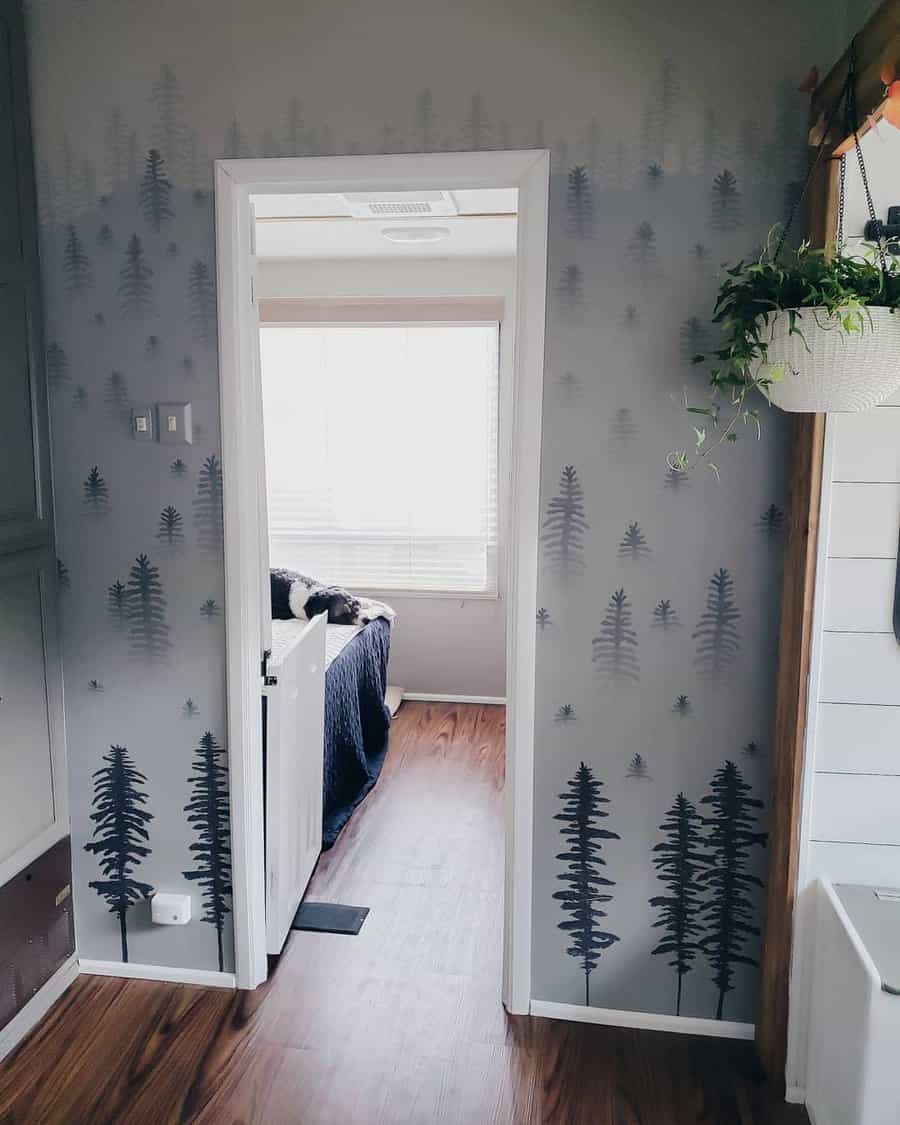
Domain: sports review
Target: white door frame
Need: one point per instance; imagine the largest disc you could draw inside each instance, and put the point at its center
(241, 408)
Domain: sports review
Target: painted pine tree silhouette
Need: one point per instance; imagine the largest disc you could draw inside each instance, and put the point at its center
(579, 203)
(725, 206)
(187, 366)
(76, 264)
(116, 144)
(565, 714)
(682, 705)
(115, 395)
(638, 769)
(693, 337)
(665, 616)
(105, 236)
(95, 491)
(729, 915)
(771, 522)
(642, 250)
(562, 531)
(210, 609)
(116, 605)
(57, 366)
(121, 838)
(615, 648)
(210, 818)
(153, 347)
(543, 618)
(476, 131)
(155, 191)
(676, 479)
(584, 884)
(135, 288)
(98, 319)
(571, 288)
(169, 134)
(202, 301)
(145, 610)
(236, 145)
(717, 636)
(171, 249)
(569, 384)
(189, 709)
(633, 544)
(631, 318)
(655, 174)
(623, 427)
(80, 397)
(178, 468)
(753, 751)
(208, 516)
(699, 256)
(170, 530)
(679, 858)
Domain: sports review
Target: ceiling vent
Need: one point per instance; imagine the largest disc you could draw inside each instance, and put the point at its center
(400, 204)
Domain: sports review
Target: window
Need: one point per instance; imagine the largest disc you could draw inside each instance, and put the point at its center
(381, 453)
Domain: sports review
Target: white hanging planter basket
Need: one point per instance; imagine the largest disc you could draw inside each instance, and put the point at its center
(827, 369)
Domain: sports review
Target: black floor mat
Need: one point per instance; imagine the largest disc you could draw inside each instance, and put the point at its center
(329, 918)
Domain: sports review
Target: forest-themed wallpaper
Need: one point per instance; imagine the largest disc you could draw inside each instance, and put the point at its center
(676, 135)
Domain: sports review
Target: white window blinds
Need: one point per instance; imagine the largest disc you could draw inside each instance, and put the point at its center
(381, 453)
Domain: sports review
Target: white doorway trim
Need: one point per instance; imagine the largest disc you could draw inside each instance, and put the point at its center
(245, 523)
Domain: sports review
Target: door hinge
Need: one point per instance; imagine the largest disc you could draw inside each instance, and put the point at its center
(268, 681)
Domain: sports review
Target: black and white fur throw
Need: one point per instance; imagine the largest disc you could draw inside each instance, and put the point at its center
(296, 595)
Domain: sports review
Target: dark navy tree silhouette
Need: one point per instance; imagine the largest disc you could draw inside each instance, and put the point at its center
(135, 288)
(682, 705)
(579, 204)
(581, 900)
(623, 427)
(210, 609)
(146, 611)
(208, 504)
(210, 817)
(642, 250)
(562, 531)
(476, 130)
(565, 714)
(202, 302)
(638, 769)
(633, 544)
(115, 395)
(725, 213)
(76, 264)
(170, 530)
(57, 365)
(63, 579)
(571, 288)
(426, 122)
(717, 637)
(543, 618)
(178, 468)
(156, 191)
(615, 649)
(121, 839)
(771, 522)
(95, 492)
(678, 860)
(753, 751)
(116, 605)
(655, 175)
(729, 915)
(665, 616)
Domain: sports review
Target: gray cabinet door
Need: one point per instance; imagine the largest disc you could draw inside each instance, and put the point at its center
(33, 814)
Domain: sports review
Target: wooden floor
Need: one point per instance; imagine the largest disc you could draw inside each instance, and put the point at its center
(402, 1024)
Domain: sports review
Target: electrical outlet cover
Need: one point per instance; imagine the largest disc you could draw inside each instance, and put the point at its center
(142, 424)
(175, 423)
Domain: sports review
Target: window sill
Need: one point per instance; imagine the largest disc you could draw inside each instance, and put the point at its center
(435, 595)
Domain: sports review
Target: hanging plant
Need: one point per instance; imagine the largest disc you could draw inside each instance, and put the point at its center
(815, 330)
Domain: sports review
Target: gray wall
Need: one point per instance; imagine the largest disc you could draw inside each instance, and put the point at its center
(696, 89)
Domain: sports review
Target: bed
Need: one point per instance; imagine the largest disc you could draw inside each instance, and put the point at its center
(356, 719)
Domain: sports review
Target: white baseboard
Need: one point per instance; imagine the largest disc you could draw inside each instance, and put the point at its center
(37, 1007)
(206, 978)
(647, 1021)
(428, 697)
(796, 1095)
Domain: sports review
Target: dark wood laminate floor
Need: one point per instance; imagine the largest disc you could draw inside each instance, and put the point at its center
(402, 1024)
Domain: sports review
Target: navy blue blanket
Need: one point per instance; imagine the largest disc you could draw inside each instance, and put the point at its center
(357, 723)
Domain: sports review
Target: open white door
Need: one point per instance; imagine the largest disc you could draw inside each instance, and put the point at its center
(295, 719)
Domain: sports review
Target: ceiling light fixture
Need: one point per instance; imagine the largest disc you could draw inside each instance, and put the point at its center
(415, 234)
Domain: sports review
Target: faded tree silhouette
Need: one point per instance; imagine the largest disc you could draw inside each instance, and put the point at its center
(202, 302)
(562, 531)
(95, 492)
(208, 516)
(156, 191)
(725, 205)
(135, 288)
(579, 203)
(115, 395)
(665, 616)
(76, 263)
(57, 365)
(565, 714)
(543, 618)
(170, 530)
(717, 636)
(638, 769)
(633, 544)
(615, 648)
(116, 605)
(584, 884)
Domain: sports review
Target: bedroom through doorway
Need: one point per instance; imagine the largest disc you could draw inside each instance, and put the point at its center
(387, 386)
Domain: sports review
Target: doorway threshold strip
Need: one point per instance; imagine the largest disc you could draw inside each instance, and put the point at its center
(329, 918)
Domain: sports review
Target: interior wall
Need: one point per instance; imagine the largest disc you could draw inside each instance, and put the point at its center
(657, 102)
(441, 645)
(849, 829)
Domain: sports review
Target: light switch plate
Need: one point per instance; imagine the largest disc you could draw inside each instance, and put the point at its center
(175, 424)
(142, 424)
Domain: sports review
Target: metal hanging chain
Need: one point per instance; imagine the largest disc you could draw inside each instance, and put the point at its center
(841, 195)
(854, 125)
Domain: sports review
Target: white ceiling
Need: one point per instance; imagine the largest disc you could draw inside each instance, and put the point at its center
(320, 226)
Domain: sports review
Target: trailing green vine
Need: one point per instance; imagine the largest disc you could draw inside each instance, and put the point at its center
(834, 288)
